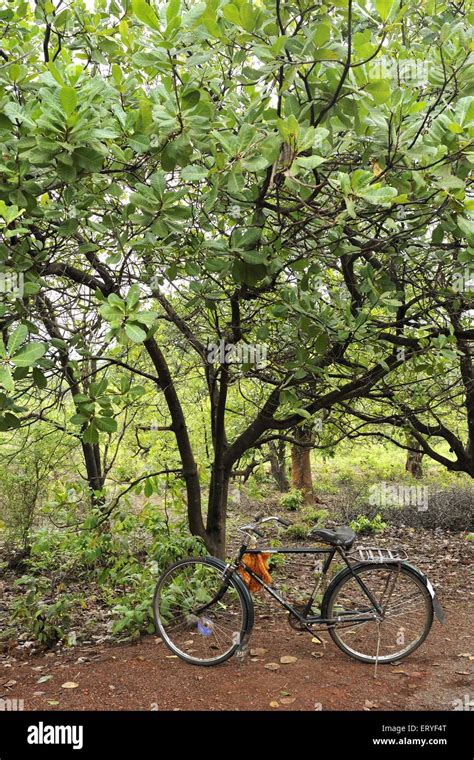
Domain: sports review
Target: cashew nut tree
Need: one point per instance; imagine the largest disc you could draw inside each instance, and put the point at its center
(291, 178)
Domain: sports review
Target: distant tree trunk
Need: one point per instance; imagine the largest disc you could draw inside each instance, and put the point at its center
(413, 464)
(278, 465)
(301, 477)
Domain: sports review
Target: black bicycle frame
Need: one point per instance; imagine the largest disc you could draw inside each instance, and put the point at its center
(313, 619)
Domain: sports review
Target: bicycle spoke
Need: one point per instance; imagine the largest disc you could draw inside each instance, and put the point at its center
(201, 624)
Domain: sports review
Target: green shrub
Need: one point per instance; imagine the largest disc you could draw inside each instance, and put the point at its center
(122, 558)
(43, 619)
(291, 500)
(317, 517)
(364, 526)
(297, 531)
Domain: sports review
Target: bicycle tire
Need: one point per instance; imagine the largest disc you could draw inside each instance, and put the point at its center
(335, 588)
(246, 601)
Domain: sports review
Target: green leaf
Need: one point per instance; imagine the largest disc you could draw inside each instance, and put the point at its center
(254, 257)
(232, 14)
(321, 343)
(376, 195)
(193, 173)
(12, 421)
(322, 35)
(29, 355)
(17, 338)
(140, 143)
(78, 419)
(39, 378)
(247, 16)
(6, 379)
(146, 317)
(380, 90)
(145, 13)
(135, 333)
(91, 435)
(190, 98)
(310, 162)
(68, 99)
(172, 9)
(133, 296)
(106, 424)
(384, 8)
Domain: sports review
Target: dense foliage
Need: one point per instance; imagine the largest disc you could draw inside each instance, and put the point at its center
(288, 175)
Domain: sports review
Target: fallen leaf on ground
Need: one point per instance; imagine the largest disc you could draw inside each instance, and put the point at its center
(9, 684)
(288, 659)
(53, 702)
(272, 666)
(287, 700)
(274, 704)
(69, 685)
(258, 651)
(43, 679)
(317, 654)
(316, 641)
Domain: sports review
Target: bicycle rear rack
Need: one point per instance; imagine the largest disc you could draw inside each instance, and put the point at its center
(376, 554)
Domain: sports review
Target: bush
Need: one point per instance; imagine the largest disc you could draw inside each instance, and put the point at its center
(450, 509)
(317, 517)
(122, 558)
(291, 500)
(297, 531)
(46, 620)
(364, 526)
(20, 489)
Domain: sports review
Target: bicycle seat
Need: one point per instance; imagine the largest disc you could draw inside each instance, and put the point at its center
(343, 536)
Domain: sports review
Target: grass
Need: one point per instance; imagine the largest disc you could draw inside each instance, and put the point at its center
(358, 466)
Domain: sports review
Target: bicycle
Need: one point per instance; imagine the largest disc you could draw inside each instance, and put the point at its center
(377, 609)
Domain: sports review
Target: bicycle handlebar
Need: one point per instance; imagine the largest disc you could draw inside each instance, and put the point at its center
(259, 520)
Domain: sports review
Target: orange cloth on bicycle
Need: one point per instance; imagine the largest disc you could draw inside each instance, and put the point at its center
(258, 564)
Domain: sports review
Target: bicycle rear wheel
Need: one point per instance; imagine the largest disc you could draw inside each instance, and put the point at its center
(404, 624)
(201, 618)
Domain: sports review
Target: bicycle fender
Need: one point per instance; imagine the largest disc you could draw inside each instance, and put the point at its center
(438, 610)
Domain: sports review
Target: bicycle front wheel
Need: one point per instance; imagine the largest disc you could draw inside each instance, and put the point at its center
(200, 617)
(405, 621)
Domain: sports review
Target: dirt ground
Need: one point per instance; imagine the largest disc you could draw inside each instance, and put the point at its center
(146, 676)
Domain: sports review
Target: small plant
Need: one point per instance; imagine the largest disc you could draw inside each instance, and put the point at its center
(317, 517)
(364, 525)
(291, 500)
(275, 561)
(47, 622)
(297, 531)
(470, 537)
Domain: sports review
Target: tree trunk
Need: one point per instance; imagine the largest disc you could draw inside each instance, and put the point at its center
(278, 465)
(190, 471)
(413, 464)
(301, 477)
(215, 537)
